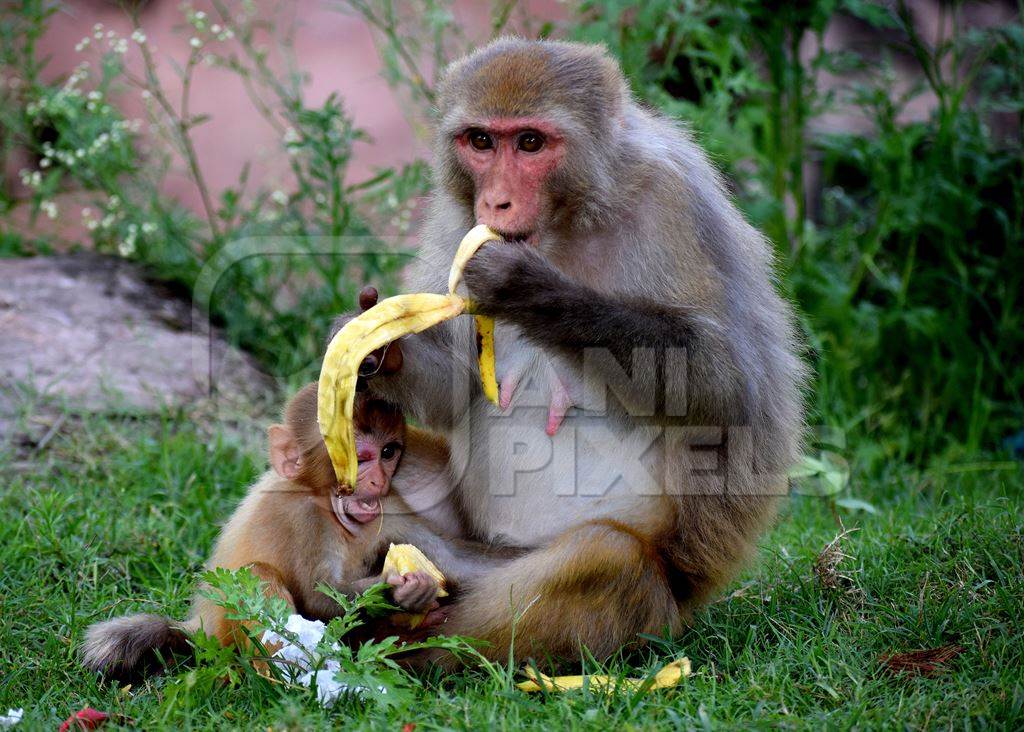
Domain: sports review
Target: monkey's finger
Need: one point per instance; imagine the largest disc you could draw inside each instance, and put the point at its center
(367, 297)
(395, 580)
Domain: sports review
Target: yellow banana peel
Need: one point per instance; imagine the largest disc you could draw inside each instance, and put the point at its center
(386, 321)
(668, 676)
(470, 244)
(485, 357)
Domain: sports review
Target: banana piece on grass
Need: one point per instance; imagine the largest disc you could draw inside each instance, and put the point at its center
(386, 321)
(471, 242)
(669, 675)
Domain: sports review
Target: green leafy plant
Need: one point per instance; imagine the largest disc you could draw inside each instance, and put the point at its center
(368, 670)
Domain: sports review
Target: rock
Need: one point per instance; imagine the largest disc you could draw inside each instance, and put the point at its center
(95, 333)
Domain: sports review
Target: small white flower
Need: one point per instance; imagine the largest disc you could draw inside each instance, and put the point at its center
(127, 247)
(279, 197)
(120, 46)
(108, 221)
(290, 136)
(148, 228)
(215, 28)
(114, 201)
(45, 163)
(79, 153)
(199, 15)
(111, 34)
(49, 208)
(94, 95)
(12, 717)
(98, 35)
(98, 27)
(86, 212)
(83, 44)
(36, 179)
(138, 36)
(147, 94)
(194, 42)
(226, 35)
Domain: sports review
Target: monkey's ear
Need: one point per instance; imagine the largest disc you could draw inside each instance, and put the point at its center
(285, 456)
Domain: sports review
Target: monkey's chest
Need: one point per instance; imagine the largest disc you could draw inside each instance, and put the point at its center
(525, 486)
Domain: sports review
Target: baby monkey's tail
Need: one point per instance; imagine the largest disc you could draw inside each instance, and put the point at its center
(133, 645)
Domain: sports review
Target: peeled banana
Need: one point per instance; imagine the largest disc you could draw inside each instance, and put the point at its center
(384, 322)
(405, 558)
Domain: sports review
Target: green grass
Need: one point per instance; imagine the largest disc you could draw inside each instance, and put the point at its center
(115, 515)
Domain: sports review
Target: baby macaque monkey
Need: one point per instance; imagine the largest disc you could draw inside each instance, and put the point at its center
(295, 530)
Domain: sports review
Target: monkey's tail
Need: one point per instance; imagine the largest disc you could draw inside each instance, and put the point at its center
(134, 645)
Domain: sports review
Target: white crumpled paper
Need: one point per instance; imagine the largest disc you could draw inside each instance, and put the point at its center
(12, 717)
(302, 658)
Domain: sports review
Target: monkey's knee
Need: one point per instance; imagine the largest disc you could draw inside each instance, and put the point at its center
(276, 586)
(615, 578)
(599, 586)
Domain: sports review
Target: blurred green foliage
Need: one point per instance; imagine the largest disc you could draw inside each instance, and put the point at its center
(909, 270)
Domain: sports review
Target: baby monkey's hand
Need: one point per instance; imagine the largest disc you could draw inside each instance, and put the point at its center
(414, 592)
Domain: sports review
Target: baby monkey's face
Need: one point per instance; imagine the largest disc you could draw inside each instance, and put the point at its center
(380, 439)
(298, 454)
(378, 455)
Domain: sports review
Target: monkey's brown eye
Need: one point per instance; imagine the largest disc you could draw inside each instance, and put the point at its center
(530, 142)
(480, 140)
(390, 450)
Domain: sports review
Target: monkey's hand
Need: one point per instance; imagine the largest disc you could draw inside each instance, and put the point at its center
(414, 592)
(502, 274)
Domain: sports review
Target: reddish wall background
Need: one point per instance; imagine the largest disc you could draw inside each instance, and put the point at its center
(335, 49)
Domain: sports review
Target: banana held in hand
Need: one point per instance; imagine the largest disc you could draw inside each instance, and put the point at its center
(405, 558)
(384, 322)
(471, 242)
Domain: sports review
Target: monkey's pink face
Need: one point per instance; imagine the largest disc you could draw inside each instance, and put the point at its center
(378, 460)
(509, 160)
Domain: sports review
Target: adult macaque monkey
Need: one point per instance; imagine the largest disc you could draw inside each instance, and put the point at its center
(625, 265)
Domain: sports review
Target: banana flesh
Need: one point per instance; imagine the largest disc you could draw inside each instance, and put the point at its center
(386, 321)
(405, 558)
(471, 242)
